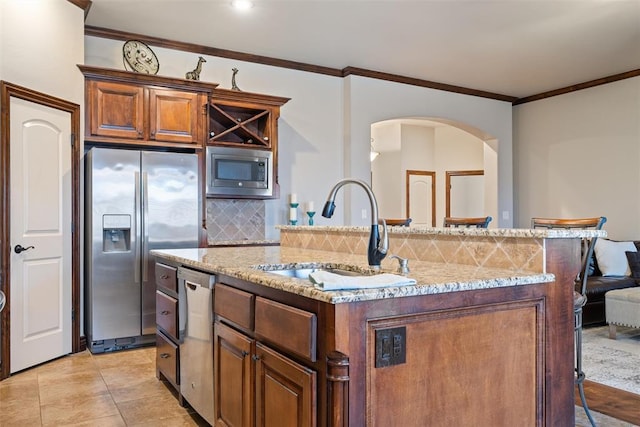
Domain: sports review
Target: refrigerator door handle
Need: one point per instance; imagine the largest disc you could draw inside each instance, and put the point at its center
(145, 227)
(136, 259)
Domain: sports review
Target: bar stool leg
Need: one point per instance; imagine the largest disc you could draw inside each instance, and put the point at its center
(579, 373)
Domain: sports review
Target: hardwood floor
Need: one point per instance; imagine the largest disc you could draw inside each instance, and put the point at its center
(611, 401)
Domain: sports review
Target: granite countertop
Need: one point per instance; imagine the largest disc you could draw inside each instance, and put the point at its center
(251, 263)
(539, 233)
(243, 242)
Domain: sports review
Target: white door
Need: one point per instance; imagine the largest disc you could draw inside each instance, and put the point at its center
(41, 221)
(421, 199)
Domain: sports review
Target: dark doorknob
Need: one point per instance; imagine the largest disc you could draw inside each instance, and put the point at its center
(19, 248)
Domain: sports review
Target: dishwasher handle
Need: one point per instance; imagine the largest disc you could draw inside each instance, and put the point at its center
(196, 278)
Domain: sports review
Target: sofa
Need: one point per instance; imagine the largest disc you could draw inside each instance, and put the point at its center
(593, 313)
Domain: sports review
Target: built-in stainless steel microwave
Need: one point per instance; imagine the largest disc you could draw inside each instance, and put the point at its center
(239, 172)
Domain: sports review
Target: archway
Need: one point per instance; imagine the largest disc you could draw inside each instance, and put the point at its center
(434, 145)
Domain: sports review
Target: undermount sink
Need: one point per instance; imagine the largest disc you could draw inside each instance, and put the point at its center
(304, 271)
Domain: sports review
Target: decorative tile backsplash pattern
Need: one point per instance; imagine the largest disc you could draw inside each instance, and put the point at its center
(521, 254)
(235, 219)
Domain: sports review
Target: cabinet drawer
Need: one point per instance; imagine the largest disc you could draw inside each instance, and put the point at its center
(234, 305)
(166, 277)
(167, 358)
(167, 314)
(287, 327)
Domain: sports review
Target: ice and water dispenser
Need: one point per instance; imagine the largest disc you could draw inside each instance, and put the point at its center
(116, 233)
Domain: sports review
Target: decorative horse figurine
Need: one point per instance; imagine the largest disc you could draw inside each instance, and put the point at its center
(195, 74)
(234, 86)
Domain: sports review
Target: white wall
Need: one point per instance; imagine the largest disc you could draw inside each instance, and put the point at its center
(41, 43)
(371, 100)
(578, 155)
(386, 169)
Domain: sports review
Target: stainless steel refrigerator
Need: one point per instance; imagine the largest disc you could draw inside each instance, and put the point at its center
(135, 201)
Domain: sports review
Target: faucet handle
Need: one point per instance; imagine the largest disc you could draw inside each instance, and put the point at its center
(403, 264)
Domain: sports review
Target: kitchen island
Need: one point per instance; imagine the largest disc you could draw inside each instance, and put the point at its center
(484, 337)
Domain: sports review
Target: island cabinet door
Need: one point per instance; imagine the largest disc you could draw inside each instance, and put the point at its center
(285, 391)
(474, 366)
(233, 377)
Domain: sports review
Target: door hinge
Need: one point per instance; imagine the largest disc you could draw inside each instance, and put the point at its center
(73, 139)
(73, 314)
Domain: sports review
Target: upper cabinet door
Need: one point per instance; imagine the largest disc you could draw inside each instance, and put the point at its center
(173, 115)
(116, 109)
(141, 110)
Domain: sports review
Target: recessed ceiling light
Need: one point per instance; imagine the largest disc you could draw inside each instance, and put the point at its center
(242, 4)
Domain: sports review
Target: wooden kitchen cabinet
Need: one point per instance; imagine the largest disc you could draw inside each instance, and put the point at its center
(116, 110)
(133, 109)
(167, 321)
(233, 376)
(285, 390)
(175, 116)
(244, 119)
(253, 382)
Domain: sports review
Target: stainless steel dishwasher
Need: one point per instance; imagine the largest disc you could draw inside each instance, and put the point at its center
(196, 349)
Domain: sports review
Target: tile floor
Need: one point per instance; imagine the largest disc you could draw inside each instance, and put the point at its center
(113, 389)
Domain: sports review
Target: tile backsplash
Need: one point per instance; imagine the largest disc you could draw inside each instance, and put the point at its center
(513, 253)
(235, 219)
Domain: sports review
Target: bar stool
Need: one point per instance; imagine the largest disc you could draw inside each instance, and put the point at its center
(580, 287)
(481, 222)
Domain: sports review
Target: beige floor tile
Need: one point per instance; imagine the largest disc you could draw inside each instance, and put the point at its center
(75, 411)
(129, 357)
(71, 364)
(24, 420)
(151, 410)
(147, 388)
(19, 402)
(179, 421)
(80, 386)
(27, 375)
(24, 389)
(111, 421)
(20, 411)
(128, 374)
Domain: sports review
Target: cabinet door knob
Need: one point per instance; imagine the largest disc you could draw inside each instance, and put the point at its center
(165, 312)
(255, 357)
(164, 355)
(244, 353)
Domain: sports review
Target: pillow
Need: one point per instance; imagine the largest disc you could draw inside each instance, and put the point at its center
(611, 257)
(634, 263)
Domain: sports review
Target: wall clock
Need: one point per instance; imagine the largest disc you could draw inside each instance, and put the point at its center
(139, 57)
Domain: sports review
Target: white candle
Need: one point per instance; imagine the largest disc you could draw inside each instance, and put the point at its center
(294, 198)
(293, 214)
(310, 207)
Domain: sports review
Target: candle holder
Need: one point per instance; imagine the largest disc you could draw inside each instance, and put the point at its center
(293, 219)
(311, 214)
